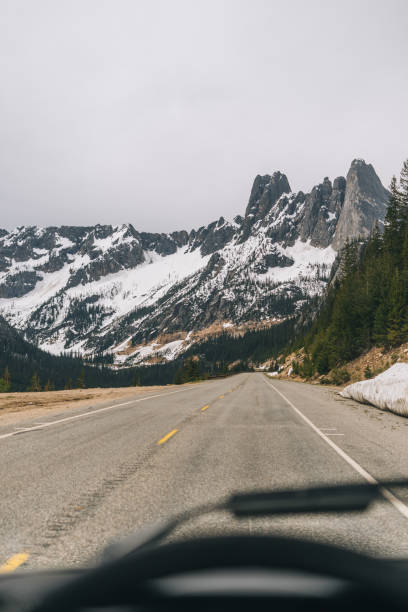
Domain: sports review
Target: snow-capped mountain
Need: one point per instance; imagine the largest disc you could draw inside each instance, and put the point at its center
(146, 296)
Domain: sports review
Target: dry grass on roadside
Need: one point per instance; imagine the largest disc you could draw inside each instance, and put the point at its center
(35, 404)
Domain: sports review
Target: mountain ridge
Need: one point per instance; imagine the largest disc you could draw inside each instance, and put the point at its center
(93, 289)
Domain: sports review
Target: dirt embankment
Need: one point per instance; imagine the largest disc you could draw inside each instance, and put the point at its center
(368, 365)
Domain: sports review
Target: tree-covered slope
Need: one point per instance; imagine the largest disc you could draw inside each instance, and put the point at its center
(23, 366)
(367, 305)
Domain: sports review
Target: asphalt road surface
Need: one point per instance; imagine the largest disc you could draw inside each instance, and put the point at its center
(80, 479)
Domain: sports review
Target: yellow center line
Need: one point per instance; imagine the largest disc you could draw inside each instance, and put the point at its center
(167, 436)
(13, 563)
(205, 407)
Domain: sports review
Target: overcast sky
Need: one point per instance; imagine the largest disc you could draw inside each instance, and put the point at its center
(162, 113)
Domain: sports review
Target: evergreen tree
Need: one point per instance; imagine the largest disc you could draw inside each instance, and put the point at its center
(395, 331)
(136, 380)
(190, 372)
(7, 377)
(68, 384)
(5, 382)
(49, 386)
(380, 336)
(178, 378)
(81, 379)
(395, 223)
(404, 183)
(35, 383)
(349, 259)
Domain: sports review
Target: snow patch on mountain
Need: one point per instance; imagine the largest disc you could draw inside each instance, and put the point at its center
(129, 287)
(165, 352)
(306, 259)
(143, 285)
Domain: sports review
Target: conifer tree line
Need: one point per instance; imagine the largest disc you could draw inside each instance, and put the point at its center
(189, 372)
(24, 367)
(255, 346)
(367, 304)
(228, 354)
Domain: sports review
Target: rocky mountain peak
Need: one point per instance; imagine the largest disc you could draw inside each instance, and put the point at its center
(365, 176)
(326, 187)
(321, 211)
(365, 204)
(339, 184)
(265, 191)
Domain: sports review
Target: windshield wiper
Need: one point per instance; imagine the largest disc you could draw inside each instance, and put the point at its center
(342, 498)
(339, 498)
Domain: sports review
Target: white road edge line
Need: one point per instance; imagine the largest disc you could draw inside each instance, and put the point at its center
(87, 414)
(397, 503)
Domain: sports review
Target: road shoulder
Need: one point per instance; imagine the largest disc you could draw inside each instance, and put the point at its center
(26, 406)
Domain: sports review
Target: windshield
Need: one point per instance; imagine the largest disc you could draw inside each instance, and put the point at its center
(190, 308)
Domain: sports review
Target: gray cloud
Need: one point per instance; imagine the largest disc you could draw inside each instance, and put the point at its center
(160, 113)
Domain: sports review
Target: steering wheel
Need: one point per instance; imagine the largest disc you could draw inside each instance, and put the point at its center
(124, 581)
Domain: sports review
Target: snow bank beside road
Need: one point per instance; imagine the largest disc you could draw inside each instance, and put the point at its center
(388, 390)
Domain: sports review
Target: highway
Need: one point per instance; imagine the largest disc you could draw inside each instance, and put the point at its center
(79, 479)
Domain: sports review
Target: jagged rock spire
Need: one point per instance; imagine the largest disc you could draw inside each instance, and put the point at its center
(266, 190)
(365, 203)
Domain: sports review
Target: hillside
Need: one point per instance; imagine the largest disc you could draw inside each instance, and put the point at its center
(137, 297)
(365, 311)
(23, 360)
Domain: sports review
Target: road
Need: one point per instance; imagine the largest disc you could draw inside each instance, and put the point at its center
(82, 478)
